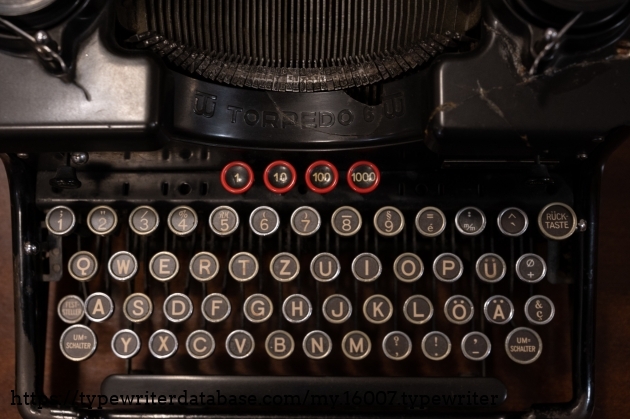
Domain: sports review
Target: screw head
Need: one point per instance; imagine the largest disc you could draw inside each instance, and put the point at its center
(582, 225)
(79, 158)
(582, 156)
(22, 155)
(31, 248)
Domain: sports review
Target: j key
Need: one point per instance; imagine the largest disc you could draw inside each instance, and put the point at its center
(389, 221)
(82, 266)
(144, 220)
(137, 307)
(305, 221)
(346, 221)
(539, 310)
(279, 344)
(264, 221)
(240, 344)
(126, 344)
(356, 345)
(216, 307)
(102, 220)
(98, 307)
(163, 344)
(317, 344)
(523, 345)
(78, 342)
(476, 346)
(436, 346)
(60, 220)
(470, 221)
(182, 220)
(490, 267)
(531, 268)
(337, 308)
(430, 222)
(498, 309)
(200, 344)
(122, 266)
(223, 220)
(164, 266)
(397, 345)
(71, 309)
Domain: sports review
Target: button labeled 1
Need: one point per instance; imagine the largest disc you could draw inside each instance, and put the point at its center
(237, 177)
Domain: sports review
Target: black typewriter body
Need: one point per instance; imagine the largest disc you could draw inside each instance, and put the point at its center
(308, 207)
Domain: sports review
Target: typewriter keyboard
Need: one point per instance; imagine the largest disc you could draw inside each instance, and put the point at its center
(323, 273)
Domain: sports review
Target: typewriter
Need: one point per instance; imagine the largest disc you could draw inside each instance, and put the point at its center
(292, 208)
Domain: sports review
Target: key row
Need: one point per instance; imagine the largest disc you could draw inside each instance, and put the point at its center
(556, 221)
(297, 308)
(324, 267)
(522, 345)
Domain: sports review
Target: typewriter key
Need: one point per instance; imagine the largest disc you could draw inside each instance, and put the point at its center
(216, 307)
(325, 267)
(296, 308)
(178, 307)
(448, 267)
(430, 222)
(557, 221)
(366, 267)
(498, 309)
(408, 267)
(258, 308)
(363, 177)
(264, 221)
(126, 344)
(82, 266)
(78, 342)
(98, 307)
(204, 266)
(239, 344)
(280, 177)
(122, 266)
(182, 220)
(337, 308)
(356, 345)
(200, 344)
(163, 344)
(317, 344)
(397, 345)
(237, 177)
(459, 309)
(523, 345)
(389, 221)
(470, 221)
(321, 177)
(243, 266)
(436, 346)
(71, 309)
(476, 346)
(284, 267)
(102, 220)
(60, 221)
(223, 220)
(144, 220)
(279, 344)
(305, 221)
(346, 221)
(137, 307)
(418, 309)
(164, 266)
(531, 268)
(539, 310)
(490, 267)
(512, 222)
(378, 309)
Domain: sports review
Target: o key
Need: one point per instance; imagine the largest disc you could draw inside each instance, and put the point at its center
(102, 220)
(60, 221)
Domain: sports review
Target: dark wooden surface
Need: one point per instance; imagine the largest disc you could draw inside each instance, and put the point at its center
(612, 371)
